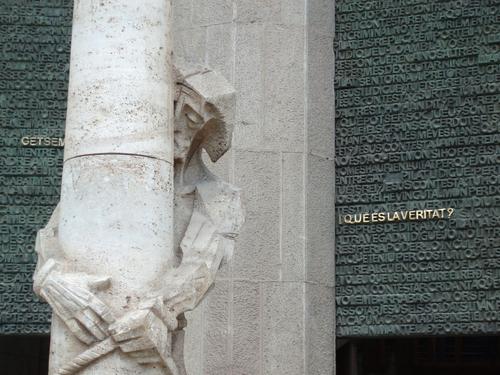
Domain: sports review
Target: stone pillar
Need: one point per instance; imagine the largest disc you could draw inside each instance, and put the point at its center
(115, 215)
(272, 309)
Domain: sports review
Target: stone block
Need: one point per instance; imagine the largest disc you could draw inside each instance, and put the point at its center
(193, 345)
(258, 11)
(292, 220)
(320, 96)
(278, 12)
(249, 86)
(284, 102)
(216, 333)
(258, 253)
(321, 16)
(247, 329)
(182, 13)
(293, 12)
(210, 12)
(190, 45)
(320, 330)
(320, 229)
(283, 328)
(270, 87)
(220, 49)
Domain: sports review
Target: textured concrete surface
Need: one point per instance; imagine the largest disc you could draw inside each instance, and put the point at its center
(272, 310)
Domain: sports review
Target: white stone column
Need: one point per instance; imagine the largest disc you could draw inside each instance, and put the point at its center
(117, 195)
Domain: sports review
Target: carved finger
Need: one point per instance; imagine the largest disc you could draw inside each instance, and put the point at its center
(101, 310)
(70, 299)
(80, 333)
(91, 322)
(129, 327)
(125, 330)
(100, 323)
(126, 334)
(59, 302)
(135, 345)
(56, 306)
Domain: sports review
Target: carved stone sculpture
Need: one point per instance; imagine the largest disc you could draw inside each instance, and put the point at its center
(207, 218)
(124, 254)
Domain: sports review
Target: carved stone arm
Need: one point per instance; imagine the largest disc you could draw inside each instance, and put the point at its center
(209, 238)
(184, 287)
(70, 294)
(47, 248)
(203, 251)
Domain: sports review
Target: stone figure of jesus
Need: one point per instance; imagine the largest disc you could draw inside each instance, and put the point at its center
(207, 217)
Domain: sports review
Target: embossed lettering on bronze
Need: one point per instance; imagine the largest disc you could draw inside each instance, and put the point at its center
(393, 217)
(34, 60)
(35, 141)
(417, 134)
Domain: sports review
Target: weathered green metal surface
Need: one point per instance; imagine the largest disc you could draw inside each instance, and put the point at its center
(417, 128)
(34, 62)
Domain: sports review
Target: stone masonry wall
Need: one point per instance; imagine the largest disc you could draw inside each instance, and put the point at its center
(272, 309)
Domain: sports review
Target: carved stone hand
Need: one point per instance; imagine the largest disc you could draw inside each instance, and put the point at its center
(145, 336)
(71, 297)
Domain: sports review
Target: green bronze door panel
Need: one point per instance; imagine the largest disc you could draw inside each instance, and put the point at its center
(417, 167)
(35, 40)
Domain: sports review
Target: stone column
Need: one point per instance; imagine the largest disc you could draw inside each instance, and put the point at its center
(115, 217)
